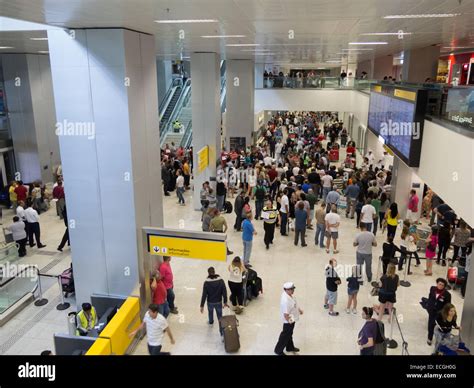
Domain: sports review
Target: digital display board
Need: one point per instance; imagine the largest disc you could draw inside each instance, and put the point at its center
(396, 115)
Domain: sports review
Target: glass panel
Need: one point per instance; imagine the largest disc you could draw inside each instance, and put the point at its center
(16, 288)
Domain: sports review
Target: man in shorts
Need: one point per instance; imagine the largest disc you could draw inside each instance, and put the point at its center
(333, 221)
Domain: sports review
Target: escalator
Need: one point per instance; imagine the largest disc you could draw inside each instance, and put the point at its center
(171, 103)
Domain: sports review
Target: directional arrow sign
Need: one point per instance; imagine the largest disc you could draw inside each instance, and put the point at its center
(156, 249)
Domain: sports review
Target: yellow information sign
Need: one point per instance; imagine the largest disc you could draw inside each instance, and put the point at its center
(203, 158)
(405, 94)
(187, 248)
(377, 88)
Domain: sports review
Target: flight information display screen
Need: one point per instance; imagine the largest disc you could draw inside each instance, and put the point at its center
(394, 120)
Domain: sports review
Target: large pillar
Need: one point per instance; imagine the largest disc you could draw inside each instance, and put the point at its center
(403, 181)
(420, 64)
(165, 76)
(383, 66)
(29, 92)
(205, 100)
(240, 99)
(467, 321)
(105, 90)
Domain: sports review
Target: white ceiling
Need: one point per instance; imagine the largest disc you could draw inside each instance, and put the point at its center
(322, 28)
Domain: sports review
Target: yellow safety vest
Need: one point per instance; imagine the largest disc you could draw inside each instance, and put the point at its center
(86, 323)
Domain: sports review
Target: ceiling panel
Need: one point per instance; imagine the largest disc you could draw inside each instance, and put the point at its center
(322, 27)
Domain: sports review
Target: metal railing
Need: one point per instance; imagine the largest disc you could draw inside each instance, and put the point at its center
(316, 82)
(188, 136)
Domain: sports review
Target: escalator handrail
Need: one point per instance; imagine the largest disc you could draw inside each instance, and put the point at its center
(176, 110)
(16, 277)
(187, 132)
(164, 104)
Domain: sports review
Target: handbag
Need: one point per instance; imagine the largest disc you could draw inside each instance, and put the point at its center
(375, 291)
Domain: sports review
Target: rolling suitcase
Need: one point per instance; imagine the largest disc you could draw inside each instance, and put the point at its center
(229, 325)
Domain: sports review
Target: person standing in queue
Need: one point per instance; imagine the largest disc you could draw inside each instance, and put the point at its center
(238, 208)
(18, 232)
(284, 211)
(368, 333)
(167, 277)
(437, 299)
(270, 216)
(156, 326)
(290, 313)
(65, 238)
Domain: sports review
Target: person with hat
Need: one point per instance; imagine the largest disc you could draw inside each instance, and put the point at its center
(290, 313)
(86, 319)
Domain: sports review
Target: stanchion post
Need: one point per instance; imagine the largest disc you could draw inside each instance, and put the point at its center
(41, 301)
(405, 282)
(63, 305)
(392, 344)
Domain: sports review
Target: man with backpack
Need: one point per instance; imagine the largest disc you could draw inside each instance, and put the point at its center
(260, 193)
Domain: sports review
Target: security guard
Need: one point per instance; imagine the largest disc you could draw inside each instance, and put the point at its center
(176, 126)
(269, 214)
(86, 319)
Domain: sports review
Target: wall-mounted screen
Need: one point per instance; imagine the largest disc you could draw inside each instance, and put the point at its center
(396, 115)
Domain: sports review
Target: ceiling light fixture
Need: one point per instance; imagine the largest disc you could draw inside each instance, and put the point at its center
(222, 36)
(243, 45)
(264, 53)
(43, 52)
(38, 38)
(455, 47)
(419, 16)
(5, 47)
(181, 21)
(367, 43)
(358, 49)
(255, 50)
(385, 33)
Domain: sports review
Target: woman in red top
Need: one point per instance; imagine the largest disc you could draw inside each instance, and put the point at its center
(159, 295)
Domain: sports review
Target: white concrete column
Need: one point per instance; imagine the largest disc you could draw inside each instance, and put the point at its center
(29, 91)
(420, 64)
(205, 100)
(403, 181)
(105, 90)
(259, 70)
(240, 96)
(164, 76)
(351, 69)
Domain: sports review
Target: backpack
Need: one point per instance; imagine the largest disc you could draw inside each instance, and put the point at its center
(260, 193)
(381, 342)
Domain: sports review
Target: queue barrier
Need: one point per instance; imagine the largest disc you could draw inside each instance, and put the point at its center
(115, 336)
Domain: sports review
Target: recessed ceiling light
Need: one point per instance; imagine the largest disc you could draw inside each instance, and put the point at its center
(255, 50)
(432, 15)
(385, 33)
(367, 43)
(455, 48)
(358, 49)
(43, 52)
(5, 47)
(264, 53)
(38, 38)
(180, 21)
(222, 36)
(333, 61)
(243, 45)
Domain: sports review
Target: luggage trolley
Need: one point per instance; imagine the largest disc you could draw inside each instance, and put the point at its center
(422, 232)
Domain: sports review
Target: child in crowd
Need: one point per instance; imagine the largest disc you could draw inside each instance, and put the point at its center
(431, 250)
(332, 282)
(352, 290)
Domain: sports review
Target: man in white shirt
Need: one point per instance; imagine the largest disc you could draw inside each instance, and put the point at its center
(18, 232)
(284, 211)
(156, 326)
(290, 314)
(20, 211)
(371, 157)
(278, 150)
(367, 216)
(295, 170)
(32, 219)
(268, 160)
(333, 221)
(180, 187)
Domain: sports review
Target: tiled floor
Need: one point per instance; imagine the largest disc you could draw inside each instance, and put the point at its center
(31, 331)
(316, 333)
